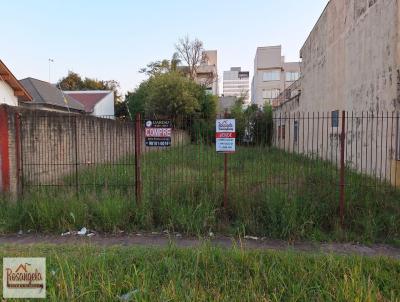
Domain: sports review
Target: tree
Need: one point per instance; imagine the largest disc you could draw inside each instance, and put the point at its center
(170, 94)
(121, 110)
(136, 100)
(190, 52)
(241, 118)
(164, 66)
(253, 125)
(72, 81)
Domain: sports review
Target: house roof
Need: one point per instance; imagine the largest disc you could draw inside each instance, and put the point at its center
(9, 78)
(89, 99)
(46, 93)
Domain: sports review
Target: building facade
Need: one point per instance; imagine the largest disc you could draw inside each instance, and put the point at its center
(207, 71)
(351, 63)
(272, 75)
(351, 58)
(236, 83)
(96, 102)
(11, 89)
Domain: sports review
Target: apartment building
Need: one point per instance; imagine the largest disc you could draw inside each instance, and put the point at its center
(272, 75)
(207, 72)
(237, 83)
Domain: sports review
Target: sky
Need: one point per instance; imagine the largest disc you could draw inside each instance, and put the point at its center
(112, 40)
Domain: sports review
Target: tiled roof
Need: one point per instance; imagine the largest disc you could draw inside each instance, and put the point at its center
(46, 93)
(89, 99)
(9, 78)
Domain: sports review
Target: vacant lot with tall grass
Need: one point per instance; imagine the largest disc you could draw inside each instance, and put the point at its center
(88, 273)
(271, 193)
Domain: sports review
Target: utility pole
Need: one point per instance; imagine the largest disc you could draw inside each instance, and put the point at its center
(50, 61)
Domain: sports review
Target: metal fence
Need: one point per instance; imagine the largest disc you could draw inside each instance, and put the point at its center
(333, 156)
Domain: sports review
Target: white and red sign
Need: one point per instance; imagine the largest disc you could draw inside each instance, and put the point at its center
(225, 137)
(158, 133)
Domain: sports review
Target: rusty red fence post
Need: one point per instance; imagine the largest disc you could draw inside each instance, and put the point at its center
(225, 181)
(4, 150)
(18, 151)
(226, 173)
(342, 169)
(138, 145)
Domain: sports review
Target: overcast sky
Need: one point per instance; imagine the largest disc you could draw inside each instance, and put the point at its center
(112, 40)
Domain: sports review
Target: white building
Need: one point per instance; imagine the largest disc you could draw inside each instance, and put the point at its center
(236, 83)
(96, 102)
(272, 75)
(10, 88)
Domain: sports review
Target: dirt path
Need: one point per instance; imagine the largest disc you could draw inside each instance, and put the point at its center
(161, 240)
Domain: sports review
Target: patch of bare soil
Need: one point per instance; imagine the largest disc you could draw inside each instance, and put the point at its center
(162, 240)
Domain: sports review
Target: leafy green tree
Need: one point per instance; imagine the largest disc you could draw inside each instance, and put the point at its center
(121, 110)
(164, 66)
(208, 104)
(262, 126)
(171, 94)
(72, 81)
(136, 100)
(241, 118)
(253, 125)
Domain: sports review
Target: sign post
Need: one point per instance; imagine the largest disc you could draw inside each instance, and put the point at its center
(226, 135)
(158, 133)
(225, 142)
(138, 145)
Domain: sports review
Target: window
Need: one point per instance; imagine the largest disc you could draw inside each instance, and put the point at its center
(296, 131)
(292, 76)
(269, 94)
(335, 119)
(272, 75)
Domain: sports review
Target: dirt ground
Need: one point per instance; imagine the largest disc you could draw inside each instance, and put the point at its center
(161, 240)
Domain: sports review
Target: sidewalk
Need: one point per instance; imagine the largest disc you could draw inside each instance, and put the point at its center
(161, 240)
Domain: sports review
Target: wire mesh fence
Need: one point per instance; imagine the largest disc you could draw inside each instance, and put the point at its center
(334, 157)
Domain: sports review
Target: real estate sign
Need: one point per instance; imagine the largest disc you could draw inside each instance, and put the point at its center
(225, 135)
(158, 133)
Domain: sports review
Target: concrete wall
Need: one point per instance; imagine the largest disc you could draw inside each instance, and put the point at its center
(351, 62)
(370, 146)
(53, 145)
(7, 94)
(351, 58)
